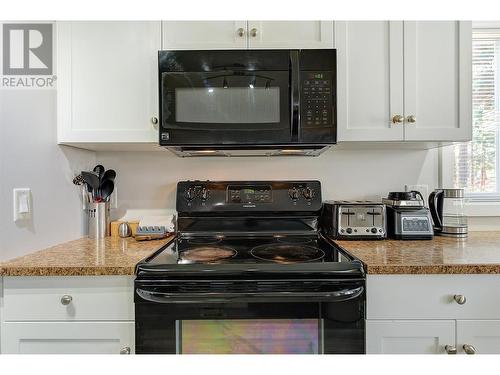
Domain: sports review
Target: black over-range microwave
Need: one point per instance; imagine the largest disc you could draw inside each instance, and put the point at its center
(247, 102)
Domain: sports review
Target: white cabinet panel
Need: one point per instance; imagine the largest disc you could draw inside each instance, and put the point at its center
(438, 80)
(290, 34)
(107, 81)
(67, 337)
(483, 335)
(370, 80)
(432, 296)
(204, 34)
(92, 298)
(409, 336)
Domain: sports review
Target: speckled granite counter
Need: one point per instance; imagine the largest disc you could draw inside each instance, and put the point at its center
(84, 257)
(479, 253)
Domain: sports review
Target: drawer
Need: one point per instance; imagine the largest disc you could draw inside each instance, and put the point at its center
(432, 296)
(90, 298)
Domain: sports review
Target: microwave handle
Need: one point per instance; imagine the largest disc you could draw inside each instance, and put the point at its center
(294, 95)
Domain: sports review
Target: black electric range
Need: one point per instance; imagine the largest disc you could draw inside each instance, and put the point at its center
(249, 272)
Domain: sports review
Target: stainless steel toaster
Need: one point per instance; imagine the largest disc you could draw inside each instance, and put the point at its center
(354, 220)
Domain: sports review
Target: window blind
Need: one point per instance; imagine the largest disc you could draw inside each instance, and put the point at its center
(477, 163)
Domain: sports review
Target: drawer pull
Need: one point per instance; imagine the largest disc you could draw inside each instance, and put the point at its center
(125, 350)
(450, 349)
(460, 299)
(66, 300)
(469, 349)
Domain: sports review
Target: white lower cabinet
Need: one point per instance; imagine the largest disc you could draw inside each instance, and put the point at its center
(409, 336)
(67, 315)
(68, 338)
(482, 335)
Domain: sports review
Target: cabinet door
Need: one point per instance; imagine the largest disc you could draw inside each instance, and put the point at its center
(107, 81)
(370, 80)
(483, 335)
(68, 338)
(409, 336)
(290, 34)
(204, 34)
(438, 80)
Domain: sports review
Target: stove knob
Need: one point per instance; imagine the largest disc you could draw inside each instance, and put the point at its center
(204, 194)
(374, 230)
(294, 194)
(308, 193)
(349, 230)
(189, 194)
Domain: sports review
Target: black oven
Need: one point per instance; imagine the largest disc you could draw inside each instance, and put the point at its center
(269, 317)
(247, 98)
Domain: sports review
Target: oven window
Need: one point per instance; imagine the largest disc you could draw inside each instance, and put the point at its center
(237, 105)
(250, 336)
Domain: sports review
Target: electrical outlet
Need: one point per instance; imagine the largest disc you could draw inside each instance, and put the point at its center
(423, 189)
(22, 204)
(113, 199)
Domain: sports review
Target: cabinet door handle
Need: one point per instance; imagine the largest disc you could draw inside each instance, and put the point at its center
(125, 350)
(460, 299)
(66, 300)
(450, 349)
(397, 119)
(253, 32)
(469, 349)
(241, 32)
(411, 119)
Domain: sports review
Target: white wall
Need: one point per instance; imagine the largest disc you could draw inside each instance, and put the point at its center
(148, 179)
(30, 158)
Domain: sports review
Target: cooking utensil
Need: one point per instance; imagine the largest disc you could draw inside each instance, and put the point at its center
(92, 181)
(99, 169)
(110, 174)
(106, 189)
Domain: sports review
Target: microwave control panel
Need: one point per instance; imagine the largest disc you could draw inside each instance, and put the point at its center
(316, 98)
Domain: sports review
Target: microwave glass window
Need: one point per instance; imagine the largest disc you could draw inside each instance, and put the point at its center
(250, 336)
(236, 105)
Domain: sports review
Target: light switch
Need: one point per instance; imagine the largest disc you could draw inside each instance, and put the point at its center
(22, 204)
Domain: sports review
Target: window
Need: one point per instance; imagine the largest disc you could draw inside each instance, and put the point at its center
(477, 163)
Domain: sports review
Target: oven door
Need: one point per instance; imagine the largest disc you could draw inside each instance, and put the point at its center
(225, 107)
(319, 320)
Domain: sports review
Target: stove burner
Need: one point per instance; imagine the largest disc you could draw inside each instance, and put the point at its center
(207, 254)
(295, 240)
(287, 253)
(204, 241)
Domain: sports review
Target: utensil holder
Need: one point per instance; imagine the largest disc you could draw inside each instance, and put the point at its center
(99, 219)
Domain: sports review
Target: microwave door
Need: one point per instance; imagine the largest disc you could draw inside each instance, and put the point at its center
(226, 107)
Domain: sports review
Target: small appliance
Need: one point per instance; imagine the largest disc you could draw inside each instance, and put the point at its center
(407, 216)
(354, 220)
(247, 103)
(447, 210)
(249, 272)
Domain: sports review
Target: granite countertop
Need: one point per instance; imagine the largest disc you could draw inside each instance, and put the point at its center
(479, 253)
(84, 257)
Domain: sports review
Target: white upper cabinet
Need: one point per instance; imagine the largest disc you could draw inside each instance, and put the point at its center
(290, 34)
(204, 34)
(438, 80)
(370, 80)
(404, 81)
(107, 82)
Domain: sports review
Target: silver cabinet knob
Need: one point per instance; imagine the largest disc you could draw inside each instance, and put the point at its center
(411, 119)
(66, 300)
(397, 119)
(253, 32)
(450, 349)
(469, 349)
(125, 350)
(460, 299)
(241, 32)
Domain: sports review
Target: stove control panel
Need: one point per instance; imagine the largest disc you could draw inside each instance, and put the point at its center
(248, 196)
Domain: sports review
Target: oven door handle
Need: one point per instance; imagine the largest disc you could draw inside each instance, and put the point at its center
(331, 296)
